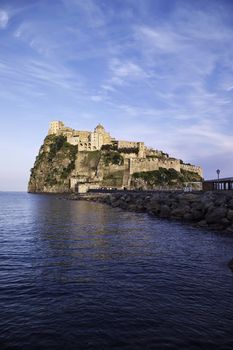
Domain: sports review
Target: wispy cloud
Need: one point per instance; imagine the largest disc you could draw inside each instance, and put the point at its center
(165, 72)
(4, 18)
(89, 10)
(125, 70)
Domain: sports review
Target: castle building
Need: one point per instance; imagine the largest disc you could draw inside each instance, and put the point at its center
(91, 140)
(137, 157)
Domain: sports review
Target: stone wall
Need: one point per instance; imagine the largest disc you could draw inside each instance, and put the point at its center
(151, 164)
(193, 168)
(126, 144)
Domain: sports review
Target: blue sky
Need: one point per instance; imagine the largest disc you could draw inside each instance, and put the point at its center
(159, 71)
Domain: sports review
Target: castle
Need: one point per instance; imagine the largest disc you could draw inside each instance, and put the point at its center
(136, 157)
(92, 140)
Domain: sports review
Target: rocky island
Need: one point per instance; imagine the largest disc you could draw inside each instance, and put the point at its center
(75, 161)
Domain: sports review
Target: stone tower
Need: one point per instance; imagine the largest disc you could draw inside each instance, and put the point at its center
(55, 127)
(141, 150)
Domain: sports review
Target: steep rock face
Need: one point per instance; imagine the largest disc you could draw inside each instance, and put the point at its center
(53, 166)
(58, 161)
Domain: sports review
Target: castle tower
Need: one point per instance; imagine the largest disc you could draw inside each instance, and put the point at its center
(141, 150)
(99, 129)
(55, 127)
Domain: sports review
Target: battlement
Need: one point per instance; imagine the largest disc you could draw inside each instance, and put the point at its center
(193, 168)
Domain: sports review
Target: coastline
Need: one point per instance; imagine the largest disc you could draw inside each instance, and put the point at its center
(212, 210)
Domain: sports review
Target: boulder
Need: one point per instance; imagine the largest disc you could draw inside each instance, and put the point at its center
(225, 222)
(154, 207)
(214, 216)
(197, 206)
(191, 197)
(188, 217)
(165, 211)
(230, 204)
(230, 214)
(230, 264)
(197, 215)
(220, 201)
(179, 212)
(202, 223)
(230, 229)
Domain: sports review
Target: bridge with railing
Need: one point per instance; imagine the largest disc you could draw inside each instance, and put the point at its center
(218, 184)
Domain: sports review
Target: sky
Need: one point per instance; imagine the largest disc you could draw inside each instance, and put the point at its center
(158, 71)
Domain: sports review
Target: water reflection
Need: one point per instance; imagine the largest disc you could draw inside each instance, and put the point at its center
(79, 275)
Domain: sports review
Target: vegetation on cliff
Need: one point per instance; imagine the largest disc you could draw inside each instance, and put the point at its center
(166, 177)
(112, 157)
(124, 150)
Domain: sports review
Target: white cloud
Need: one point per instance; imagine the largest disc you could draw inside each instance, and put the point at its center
(124, 71)
(32, 77)
(163, 39)
(4, 19)
(96, 98)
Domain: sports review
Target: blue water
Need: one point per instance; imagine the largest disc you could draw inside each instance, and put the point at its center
(80, 275)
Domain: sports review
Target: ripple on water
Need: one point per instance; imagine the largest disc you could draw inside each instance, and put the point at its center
(79, 275)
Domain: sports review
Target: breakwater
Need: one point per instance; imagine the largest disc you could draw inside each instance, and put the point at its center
(204, 209)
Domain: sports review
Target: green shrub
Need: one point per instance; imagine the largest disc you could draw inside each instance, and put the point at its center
(113, 157)
(167, 176)
(56, 145)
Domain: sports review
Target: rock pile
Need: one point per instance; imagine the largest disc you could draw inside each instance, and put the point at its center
(208, 209)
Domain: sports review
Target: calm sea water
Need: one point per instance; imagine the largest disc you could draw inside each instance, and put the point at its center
(79, 275)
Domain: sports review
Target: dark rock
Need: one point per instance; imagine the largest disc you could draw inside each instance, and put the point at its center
(188, 217)
(207, 206)
(202, 223)
(220, 201)
(191, 197)
(178, 213)
(214, 216)
(197, 206)
(116, 203)
(230, 229)
(230, 264)
(155, 207)
(197, 215)
(230, 204)
(131, 207)
(165, 211)
(230, 214)
(225, 222)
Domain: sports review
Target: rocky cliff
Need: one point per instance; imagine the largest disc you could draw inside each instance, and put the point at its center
(58, 162)
(61, 167)
(53, 166)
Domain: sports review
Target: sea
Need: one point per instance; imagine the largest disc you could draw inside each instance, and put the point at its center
(82, 275)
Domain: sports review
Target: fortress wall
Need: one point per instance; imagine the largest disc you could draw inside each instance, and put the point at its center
(112, 168)
(140, 165)
(151, 164)
(169, 163)
(129, 155)
(126, 144)
(73, 140)
(193, 168)
(81, 134)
